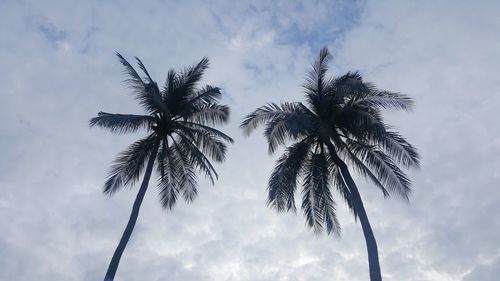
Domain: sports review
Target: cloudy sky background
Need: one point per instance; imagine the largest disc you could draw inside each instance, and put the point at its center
(58, 70)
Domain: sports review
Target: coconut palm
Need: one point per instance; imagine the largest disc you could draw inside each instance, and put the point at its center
(180, 140)
(339, 126)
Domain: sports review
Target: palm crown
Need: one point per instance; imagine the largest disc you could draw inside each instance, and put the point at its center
(178, 120)
(341, 122)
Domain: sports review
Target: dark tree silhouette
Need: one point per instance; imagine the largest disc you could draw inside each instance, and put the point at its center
(341, 124)
(180, 139)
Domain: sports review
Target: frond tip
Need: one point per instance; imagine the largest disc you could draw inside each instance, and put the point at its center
(121, 123)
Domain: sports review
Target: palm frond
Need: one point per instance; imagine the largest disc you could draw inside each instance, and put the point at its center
(188, 147)
(167, 182)
(171, 83)
(177, 176)
(342, 188)
(290, 126)
(391, 142)
(148, 93)
(283, 181)
(182, 86)
(322, 179)
(206, 95)
(192, 75)
(360, 120)
(210, 130)
(143, 68)
(168, 191)
(135, 79)
(383, 167)
(350, 85)
(209, 114)
(318, 204)
(185, 174)
(350, 77)
(260, 116)
(398, 148)
(209, 143)
(269, 112)
(360, 167)
(317, 201)
(129, 165)
(385, 100)
(315, 80)
(122, 123)
(312, 212)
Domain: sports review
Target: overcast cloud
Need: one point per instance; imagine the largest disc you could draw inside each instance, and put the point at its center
(58, 70)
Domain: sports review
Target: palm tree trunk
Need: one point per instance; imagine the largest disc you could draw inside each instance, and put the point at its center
(371, 243)
(115, 260)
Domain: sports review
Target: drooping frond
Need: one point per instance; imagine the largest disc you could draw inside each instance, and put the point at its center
(273, 112)
(129, 165)
(122, 123)
(215, 132)
(317, 201)
(383, 167)
(360, 167)
(342, 188)
(283, 181)
(177, 176)
(260, 116)
(168, 189)
(401, 151)
(186, 175)
(391, 142)
(291, 126)
(322, 178)
(208, 142)
(187, 145)
(312, 212)
(209, 114)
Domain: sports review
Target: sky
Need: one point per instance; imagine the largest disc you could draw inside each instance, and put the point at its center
(58, 70)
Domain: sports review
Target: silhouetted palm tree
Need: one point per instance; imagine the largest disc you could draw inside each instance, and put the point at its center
(180, 139)
(341, 125)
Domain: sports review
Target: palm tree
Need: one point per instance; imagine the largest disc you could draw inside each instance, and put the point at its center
(180, 139)
(341, 124)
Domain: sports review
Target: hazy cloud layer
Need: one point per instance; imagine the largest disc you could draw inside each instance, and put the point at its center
(59, 70)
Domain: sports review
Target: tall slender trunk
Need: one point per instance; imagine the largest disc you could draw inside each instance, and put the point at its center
(115, 260)
(371, 243)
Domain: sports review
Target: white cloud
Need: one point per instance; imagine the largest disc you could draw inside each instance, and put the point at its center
(57, 226)
(488, 271)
